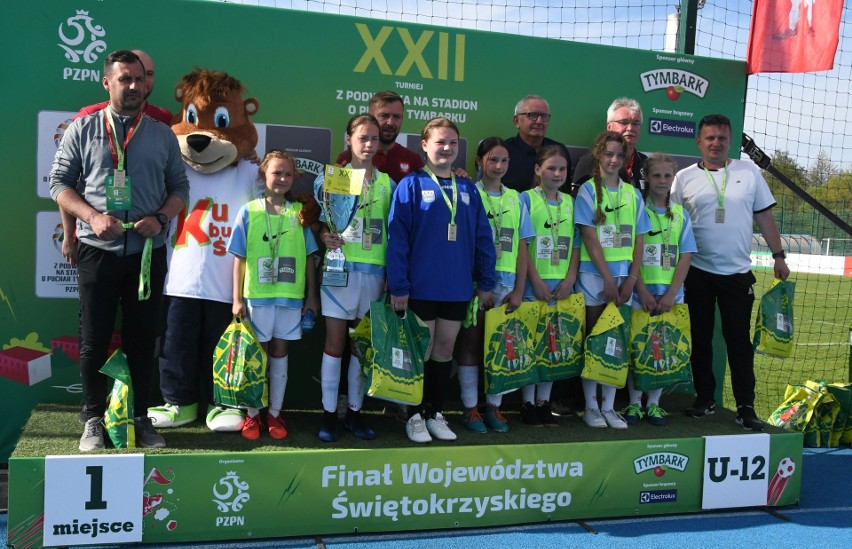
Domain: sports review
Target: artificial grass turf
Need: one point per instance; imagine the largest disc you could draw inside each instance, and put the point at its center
(53, 429)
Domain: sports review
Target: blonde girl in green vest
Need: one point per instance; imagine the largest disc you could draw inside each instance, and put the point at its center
(612, 220)
(511, 230)
(667, 252)
(274, 279)
(552, 267)
(358, 226)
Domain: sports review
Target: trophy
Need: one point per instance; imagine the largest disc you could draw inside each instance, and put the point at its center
(341, 189)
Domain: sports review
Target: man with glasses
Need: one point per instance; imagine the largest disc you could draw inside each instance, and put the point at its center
(391, 158)
(624, 116)
(724, 197)
(532, 115)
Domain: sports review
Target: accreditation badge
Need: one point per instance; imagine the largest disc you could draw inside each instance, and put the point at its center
(118, 191)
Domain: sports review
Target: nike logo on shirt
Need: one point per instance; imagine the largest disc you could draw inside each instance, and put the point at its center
(491, 215)
(547, 224)
(610, 209)
(266, 236)
(654, 233)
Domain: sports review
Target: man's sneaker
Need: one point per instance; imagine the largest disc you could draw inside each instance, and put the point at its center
(276, 427)
(560, 408)
(328, 431)
(146, 435)
(529, 415)
(594, 418)
(93, 435)
(632, 414)
(397, 411)
(748, 419)
(614, 419)
(354, 423)
(173, 415)
(657, 416)
(494, 420)
(416, 430)
(701, 408)
(545, 415)
(472, 421)
(252, 427)
(438, 428)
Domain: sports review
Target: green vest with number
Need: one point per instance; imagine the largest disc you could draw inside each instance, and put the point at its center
(541, 223)
(289, 275)
(656, 274)
(621, 213)
(380, 198)
(510, 207)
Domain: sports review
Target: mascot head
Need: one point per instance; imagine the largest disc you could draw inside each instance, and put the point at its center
(213, 125)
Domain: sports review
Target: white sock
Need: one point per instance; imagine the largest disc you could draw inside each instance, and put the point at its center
(635, 395)
(654, 396)
(277, 383)
(590, 391)
(252, 412)
(356, 391)
(494, 400)
(607, 397)
(528, 393)
(468, 378)
(542, 391)
(329, 381)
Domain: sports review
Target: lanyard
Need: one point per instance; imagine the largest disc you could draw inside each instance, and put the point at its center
(554, 225)
(719, 194)
(614, 203)
(367, 199)
(497, 213)
(665, 229)
(112, 137)
(144, 266)
(629, 169)
(451, 205)
(273, 248)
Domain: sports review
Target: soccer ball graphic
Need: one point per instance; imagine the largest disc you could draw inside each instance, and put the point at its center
(786, 468)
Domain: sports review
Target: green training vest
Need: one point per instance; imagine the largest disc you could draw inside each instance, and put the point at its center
(618, 217)
(380, 200)
(287, 277)
(540, 249)
(652, 267)
(510, 206)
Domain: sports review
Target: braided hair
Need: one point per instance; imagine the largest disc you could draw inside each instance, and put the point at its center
(598, 150)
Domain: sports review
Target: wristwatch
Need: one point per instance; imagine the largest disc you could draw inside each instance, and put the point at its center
(164, 221)
(782, 254)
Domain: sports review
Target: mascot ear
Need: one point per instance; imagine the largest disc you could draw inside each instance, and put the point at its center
(251, 106)
(179, 94)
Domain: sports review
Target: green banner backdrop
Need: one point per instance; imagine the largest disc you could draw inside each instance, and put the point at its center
(309, 72)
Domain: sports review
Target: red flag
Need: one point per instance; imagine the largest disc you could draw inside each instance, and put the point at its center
(793, 35)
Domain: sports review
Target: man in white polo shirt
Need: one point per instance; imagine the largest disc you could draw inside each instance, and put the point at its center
(724, 197)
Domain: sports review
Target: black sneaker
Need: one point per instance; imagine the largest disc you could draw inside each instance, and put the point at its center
(328, 431)
(529, 415)
(545, 414)
(354, 423)
(701, 408)
(560, 408)
(748, 419)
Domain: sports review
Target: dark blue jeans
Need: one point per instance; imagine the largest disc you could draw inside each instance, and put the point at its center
(193, 328)
(107, 281)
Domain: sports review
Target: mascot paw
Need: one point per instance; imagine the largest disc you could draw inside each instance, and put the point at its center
(172, 415)
(310, 212)
(225, 420)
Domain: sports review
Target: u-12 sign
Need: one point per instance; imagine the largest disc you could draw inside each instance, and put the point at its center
(735, 473)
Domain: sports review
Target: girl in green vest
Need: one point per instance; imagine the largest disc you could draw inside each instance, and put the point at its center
(667, 252)
(357, 225)
(553, 264)
(612, 220)
(511, 229)
(274, 279)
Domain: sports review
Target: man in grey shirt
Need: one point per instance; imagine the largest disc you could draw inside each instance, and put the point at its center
(120, 174)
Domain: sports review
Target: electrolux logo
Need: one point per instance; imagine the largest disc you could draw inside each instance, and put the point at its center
(658, 496)
(671, 128)
(82, 41)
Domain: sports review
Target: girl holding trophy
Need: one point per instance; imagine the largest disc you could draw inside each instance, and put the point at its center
(355, 234)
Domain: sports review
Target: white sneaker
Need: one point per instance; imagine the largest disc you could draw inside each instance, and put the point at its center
(415, 428)
(593, 418)
(614, 419)
(439, 428)
(93, 435)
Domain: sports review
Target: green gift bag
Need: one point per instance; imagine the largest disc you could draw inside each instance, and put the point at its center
(841, 433)
(660, 347)
(118, 418)
(773, 330)
(509, 356)
(606, 356)
(239, 368)
(558, 338)
(797, 409)
(394, 369)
